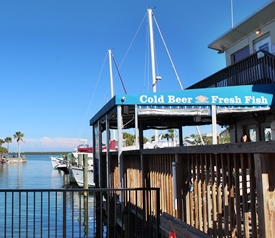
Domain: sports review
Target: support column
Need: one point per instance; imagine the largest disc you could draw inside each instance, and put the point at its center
(214, 124)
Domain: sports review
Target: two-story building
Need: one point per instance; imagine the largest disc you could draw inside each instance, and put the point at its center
(221, 190)
(249, 49)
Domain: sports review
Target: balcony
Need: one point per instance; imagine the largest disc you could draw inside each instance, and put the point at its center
(258, 68)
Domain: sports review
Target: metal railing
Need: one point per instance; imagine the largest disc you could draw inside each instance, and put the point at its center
(258, 68)
(77, 212)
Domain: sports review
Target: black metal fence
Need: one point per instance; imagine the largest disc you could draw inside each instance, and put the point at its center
(258, 68)
(72, 213)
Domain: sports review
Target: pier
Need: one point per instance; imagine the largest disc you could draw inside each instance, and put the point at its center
(231, 192)
(16, 160)
(220, 190)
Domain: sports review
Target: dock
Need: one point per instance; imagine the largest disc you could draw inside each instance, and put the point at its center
(16, 160)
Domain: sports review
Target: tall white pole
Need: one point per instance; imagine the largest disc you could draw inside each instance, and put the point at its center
(152, 46)
(232, 15)
(111, 84)
(111, 73)
(198, 130)
(153, 64)
(214, 124)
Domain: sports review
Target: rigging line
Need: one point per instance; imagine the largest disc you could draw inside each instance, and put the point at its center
(168, 53)
(119, 75)
(174, 68)
(132, 41)
(94, 90)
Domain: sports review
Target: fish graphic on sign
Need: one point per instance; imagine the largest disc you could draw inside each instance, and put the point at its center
(200, 99)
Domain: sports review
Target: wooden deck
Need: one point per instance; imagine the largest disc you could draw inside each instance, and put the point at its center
(16, 160)
(221, 190)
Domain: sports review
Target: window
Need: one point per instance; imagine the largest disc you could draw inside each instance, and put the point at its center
(239, 55)
(267, 134)
(263, 44)
(252, 134)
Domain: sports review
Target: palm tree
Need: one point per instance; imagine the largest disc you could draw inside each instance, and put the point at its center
(8, 140)
(3, 150)
(129, 138)
(171, 133)
(1, 142)
(166, 136)
(19, 137)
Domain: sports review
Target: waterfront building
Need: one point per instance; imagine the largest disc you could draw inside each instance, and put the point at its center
(220, 190)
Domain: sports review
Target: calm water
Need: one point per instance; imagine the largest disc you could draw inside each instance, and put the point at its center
(37, 173)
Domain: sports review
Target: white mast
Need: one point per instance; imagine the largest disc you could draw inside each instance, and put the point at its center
(152, 46)
(153, 65)
(111, 73)
(111, 83)
(232, 14)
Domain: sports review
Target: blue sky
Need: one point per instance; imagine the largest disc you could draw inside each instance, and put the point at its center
(54, 69)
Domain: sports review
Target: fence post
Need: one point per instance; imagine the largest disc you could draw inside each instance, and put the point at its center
(64, 214)
(264, 164)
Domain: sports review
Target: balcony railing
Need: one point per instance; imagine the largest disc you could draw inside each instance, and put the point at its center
(259, 68)
(79, 212)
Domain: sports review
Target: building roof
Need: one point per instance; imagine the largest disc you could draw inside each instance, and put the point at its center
(255, 21)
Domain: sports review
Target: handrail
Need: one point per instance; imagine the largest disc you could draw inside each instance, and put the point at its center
(258, 68)
(74, 212)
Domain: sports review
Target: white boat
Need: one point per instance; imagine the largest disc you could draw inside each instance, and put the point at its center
(56, 161)
(78, 176)
(83, 149)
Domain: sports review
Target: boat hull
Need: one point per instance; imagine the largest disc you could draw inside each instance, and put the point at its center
(78, 176)
(56, 161)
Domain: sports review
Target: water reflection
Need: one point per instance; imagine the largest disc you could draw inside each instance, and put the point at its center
(42, 213)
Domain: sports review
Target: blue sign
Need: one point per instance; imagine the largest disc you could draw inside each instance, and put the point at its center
(250, 95)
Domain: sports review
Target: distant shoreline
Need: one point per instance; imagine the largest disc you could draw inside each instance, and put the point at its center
(36, 153)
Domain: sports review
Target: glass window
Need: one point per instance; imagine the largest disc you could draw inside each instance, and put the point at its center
(263, 44)
(267, 134)
(252, 134)
(264, 47)
(241, 54)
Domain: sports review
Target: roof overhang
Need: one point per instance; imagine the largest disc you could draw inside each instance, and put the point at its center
(185, 107)
(255, 21)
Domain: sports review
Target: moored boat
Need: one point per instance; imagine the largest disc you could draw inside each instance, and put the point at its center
(56, 161)
(78, 174)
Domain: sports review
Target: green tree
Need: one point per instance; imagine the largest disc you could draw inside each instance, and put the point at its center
(225, 140)
(145, 139)
(3, 150)
(19, 137)
(8, 140)
(129, 138)
(1, 142)
(207, 140)
(171, 133)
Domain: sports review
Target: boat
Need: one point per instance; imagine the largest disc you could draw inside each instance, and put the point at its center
(77, 171)
(82, 149)
(70, 163)
(56, 160)
(78, 176)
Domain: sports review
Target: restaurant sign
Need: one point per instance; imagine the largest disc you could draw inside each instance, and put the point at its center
(258, 95)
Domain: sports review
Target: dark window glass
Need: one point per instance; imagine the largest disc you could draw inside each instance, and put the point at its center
(241, 54)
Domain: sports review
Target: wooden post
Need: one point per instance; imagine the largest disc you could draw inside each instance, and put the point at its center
(85, 172)
(265, 181)
(80, 160)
